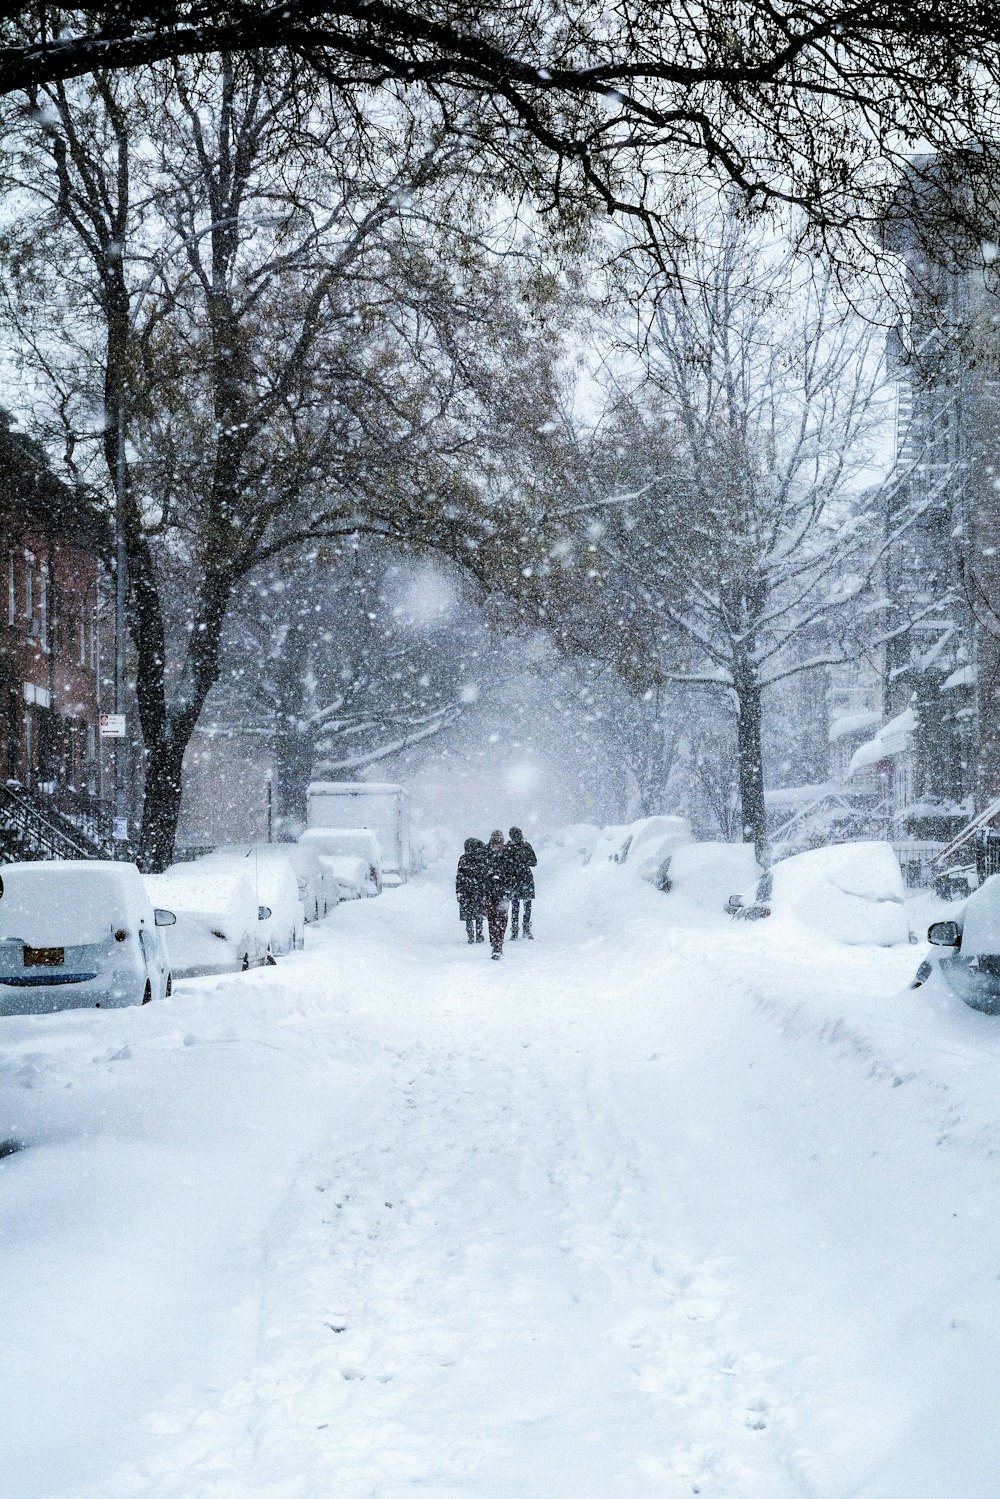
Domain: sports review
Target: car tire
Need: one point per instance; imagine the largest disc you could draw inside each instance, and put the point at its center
(245, 964)
(270, 961)
(170, 986)
(147, 993)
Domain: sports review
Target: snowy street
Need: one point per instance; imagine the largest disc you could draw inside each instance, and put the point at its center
(660, 1205)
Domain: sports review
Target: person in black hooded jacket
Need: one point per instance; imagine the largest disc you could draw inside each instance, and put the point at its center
(470, 888)
(497, 891)
(520, 862)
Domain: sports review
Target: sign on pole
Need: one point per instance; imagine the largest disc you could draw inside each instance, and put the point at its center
(112, 726)
(120, 832)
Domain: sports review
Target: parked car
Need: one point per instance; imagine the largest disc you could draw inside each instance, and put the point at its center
(305, 861)
(349, 843)
(704, 873)
(220, 926)
(79, 932)
(345, 876)
(965, 951)
(276, 886)
(343, 845)
(847, 892)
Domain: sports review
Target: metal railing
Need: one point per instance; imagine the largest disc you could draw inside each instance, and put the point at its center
(42, 831)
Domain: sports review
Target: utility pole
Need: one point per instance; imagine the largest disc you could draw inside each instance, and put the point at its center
(121, 828)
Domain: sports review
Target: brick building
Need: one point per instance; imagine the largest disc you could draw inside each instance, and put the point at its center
(50, 648)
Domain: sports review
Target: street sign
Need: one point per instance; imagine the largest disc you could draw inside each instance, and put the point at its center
(120, 833)
(112, 726)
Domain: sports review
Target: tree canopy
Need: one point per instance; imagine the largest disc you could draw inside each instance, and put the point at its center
(814, 103)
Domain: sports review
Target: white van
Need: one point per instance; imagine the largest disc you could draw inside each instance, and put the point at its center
(382, 807)
(78, 932)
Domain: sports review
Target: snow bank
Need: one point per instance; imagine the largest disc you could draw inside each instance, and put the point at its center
(659, 1204)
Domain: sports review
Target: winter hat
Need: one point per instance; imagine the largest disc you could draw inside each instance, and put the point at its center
(496, 838)
(516, 836)
(471, 844)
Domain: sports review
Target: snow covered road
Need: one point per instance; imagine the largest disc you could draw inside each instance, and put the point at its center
(659, 1205)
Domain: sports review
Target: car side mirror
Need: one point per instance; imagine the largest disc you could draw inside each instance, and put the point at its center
(164, 918)
(263, 913)
(944, 933)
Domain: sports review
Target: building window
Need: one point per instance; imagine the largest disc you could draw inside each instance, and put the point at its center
(11, 593)
(29, 589)
(83, 641)
(43, 606)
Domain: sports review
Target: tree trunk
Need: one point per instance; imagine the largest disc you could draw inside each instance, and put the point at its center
(161, 803)
(167, 730)
(294, 752)
(750, 763)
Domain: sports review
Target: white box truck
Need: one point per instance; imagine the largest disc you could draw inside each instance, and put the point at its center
(382, 807)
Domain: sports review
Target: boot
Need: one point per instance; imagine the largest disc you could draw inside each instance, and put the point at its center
(479, 929)
(513, 931)
(528, 933)
(468, 932)
(495, 955)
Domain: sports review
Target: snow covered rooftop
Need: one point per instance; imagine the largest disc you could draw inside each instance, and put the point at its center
(853, 723)
(893, 738)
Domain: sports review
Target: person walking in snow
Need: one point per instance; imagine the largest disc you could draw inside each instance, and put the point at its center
(520, 862)
(497, 891)
(470, 887)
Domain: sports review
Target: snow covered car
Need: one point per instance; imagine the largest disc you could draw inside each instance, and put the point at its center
(305, 861)
(965, 954)
(220, 925)
(79, 932)
(276, 886)
(849, 892)
(350, 843)
(579, 839)
(345, 877)
(704, 873)
(341, 879)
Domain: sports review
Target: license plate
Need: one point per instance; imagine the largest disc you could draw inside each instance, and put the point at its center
(44, 957)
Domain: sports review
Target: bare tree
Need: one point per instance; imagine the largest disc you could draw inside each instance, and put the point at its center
(260, 299)
(746, 532)
(342, 658)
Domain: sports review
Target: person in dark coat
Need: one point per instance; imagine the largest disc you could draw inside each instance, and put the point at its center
(520, 862)
(497, 891)
(470, 887)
